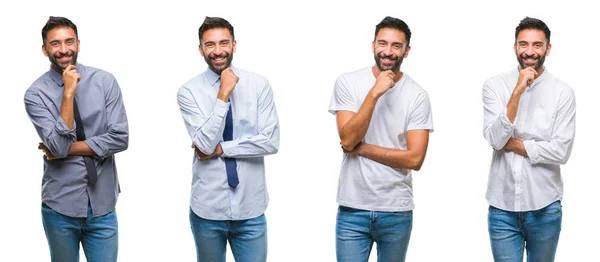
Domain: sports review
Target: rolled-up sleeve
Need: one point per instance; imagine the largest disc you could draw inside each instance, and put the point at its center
(117, 137)
(497, 128)
(558, 149)
(52, 130)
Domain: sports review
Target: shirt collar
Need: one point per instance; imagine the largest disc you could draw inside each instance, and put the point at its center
(57, 77)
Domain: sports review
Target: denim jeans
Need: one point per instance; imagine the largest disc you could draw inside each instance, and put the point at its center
(536, 231)
(356, 230)
(98, 236)
(247, 238)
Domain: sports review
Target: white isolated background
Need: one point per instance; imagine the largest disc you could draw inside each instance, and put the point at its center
(301, 47)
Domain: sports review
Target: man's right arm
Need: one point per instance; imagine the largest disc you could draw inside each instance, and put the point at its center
(204, 130)
(53, 131)
(352, 127)
(499, 119)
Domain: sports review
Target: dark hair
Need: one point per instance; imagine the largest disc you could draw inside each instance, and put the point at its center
(214, 22)
(533, 23)
(54, 22)
(394, 23)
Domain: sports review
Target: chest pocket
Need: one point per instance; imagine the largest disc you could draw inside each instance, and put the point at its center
(542, 123)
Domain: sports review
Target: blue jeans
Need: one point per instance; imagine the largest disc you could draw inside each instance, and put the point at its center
(356, 230)
(247, 238)
(98, 236)
(537, 231)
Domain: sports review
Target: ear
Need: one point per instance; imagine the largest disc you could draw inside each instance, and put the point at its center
(78, 44)
(406, 52)
(234, 44)
(515, 48)
(200, 49)
(373, 46)
(548, 49)
(44, 50)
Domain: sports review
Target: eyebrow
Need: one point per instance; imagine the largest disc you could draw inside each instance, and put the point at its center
(393, 43)
(58, 40)
(534, 42)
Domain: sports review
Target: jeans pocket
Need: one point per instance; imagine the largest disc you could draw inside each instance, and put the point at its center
(552, 209)
(346, 209)
(46, 208)
(493, 210)
(402, 213)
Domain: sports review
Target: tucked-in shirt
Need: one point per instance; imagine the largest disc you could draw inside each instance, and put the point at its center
(65, 183)
(546, 123)
(364, 183)
(255, 134)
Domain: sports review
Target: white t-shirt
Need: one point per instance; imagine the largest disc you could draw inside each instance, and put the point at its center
(364, 183)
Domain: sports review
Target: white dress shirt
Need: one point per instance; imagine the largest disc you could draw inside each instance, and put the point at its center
(546, 123)
(255, 134)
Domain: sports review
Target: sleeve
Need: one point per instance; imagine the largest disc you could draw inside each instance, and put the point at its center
(266, 142)
(205, 131)
(117, 137)
(53, 131)
(497, 128)
(558, 149)
(420, 116)
(342, 97)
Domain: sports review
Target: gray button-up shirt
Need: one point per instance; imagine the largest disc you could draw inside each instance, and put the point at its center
(64, 184)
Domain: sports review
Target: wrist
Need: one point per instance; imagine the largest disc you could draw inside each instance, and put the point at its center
(68, 95)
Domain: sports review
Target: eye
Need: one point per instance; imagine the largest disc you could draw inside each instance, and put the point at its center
(70, 42)
(397, 46)
(209, 44)
(538, 45)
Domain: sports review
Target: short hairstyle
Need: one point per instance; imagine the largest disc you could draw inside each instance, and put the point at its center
(214, 22)
(533, 23)
(55, 22)
(394, 23)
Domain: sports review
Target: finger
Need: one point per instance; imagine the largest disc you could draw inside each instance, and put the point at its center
(70, 67)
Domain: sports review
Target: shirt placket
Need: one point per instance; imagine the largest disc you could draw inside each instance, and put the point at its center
(517, 162)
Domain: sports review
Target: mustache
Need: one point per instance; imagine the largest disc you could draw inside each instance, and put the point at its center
(70, 53)
(530, 56)
(224, 55)
(382, 56)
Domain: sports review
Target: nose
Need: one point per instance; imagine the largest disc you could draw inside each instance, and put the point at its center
(218, 50)
(529, 51)
(387, 50)
(63, 48)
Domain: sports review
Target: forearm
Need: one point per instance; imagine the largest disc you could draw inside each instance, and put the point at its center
(516, 146)
(80, 148)
(354, 130)
(513, 106)
(397, 158)
(66, 110)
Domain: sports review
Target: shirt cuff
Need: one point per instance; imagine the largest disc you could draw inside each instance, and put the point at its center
(532, 151)
(230, 148)
(506, 122)
(62, 129)
(95, 146)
